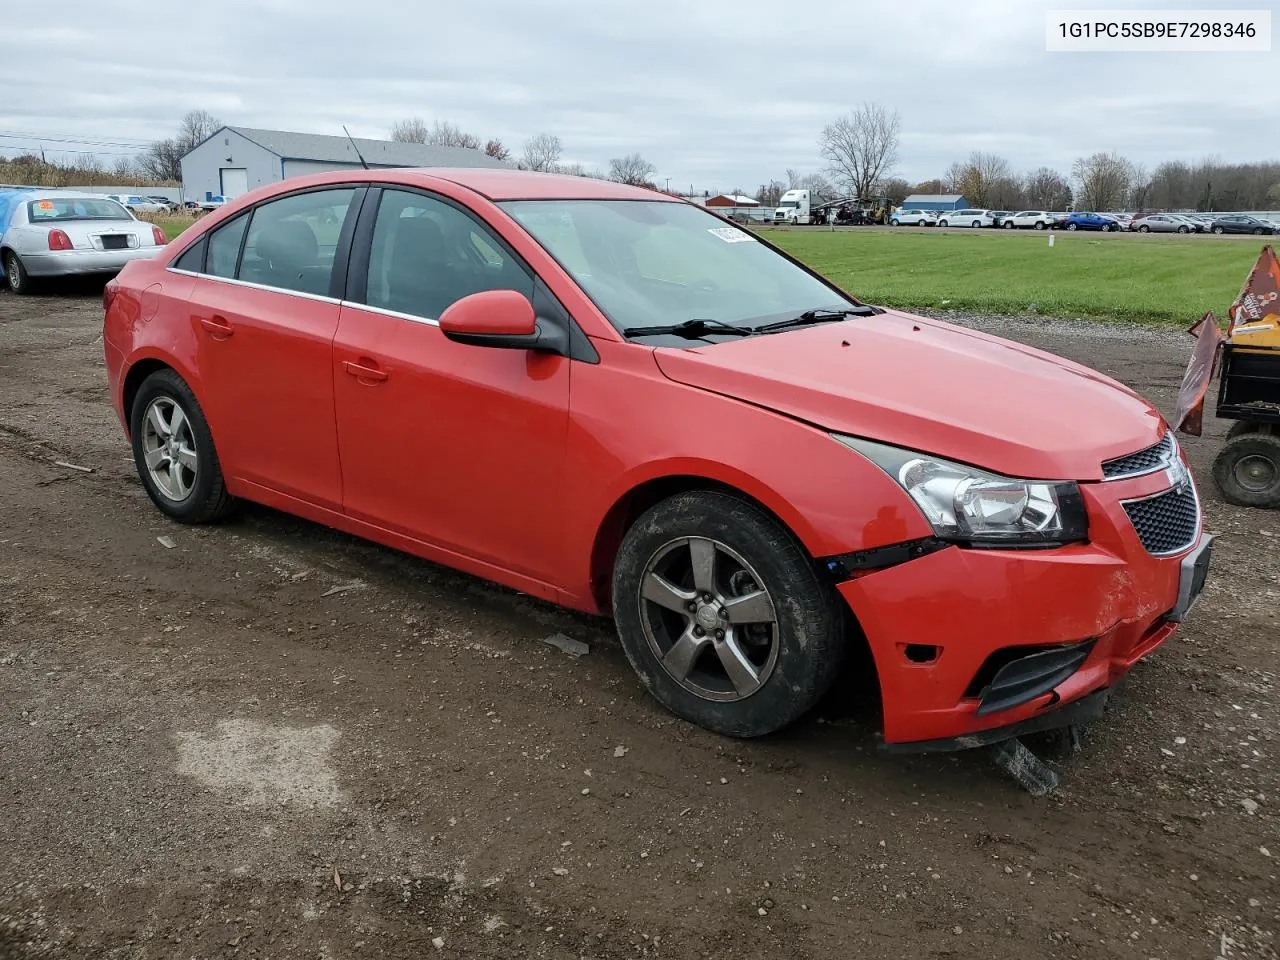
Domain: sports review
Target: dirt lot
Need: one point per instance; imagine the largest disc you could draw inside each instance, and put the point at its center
(209, 751)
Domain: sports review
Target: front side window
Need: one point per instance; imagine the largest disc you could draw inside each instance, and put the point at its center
(75, 208)
(292, 242)
(427, 253)
(651, 262)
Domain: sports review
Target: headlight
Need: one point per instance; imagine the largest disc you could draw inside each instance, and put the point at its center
(970, 505)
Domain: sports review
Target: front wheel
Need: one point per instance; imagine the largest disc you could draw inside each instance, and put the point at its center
(1184, 229)
(1218, 230)
(174, 453)
(1008, 224)
(723, 615)
(1072, 226)
(1040, 225)
(1247, 471)
(1257, 231)
(895, 223)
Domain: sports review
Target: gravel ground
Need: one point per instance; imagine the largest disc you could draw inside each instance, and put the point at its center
(273, 740)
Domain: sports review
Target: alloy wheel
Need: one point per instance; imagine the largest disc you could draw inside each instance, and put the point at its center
(709, 619)
(169, 449)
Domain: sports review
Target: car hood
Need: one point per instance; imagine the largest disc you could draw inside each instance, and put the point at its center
(934, 387)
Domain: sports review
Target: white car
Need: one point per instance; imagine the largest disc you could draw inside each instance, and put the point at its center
(914, 218)
(966, 218)
(137, 203)
(1029, 220)
(66, 234)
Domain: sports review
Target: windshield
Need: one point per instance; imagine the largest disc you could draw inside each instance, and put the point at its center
(791, 203)
(75, 208)
(651, 263)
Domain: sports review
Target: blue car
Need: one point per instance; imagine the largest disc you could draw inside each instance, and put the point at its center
(1090, 221)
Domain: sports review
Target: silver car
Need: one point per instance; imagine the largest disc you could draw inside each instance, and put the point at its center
(66, 234)
(1165, 223)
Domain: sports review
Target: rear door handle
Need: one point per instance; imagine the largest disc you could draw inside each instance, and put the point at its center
(365, 372)
(220, 327)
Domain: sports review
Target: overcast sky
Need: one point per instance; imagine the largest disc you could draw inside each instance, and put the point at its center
(716, 93)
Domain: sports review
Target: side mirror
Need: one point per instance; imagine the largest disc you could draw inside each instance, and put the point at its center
(500, 318)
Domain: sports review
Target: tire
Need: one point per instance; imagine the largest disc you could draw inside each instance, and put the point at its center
(1184, 229)
(894, 223)
(793, 658)
(1257, 231)
(16, 273)
(1040, 224)
(1073, 226)
(1241, 427)
(944, 223)
(1008, 224)
(1219, 231)
(976, 223)
(1247, 471)
(1144, 229)
(201, 497)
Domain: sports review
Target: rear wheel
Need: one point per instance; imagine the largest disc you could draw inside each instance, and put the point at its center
(723, 616)
(174, 453)
(16, 273)
(1247, 471)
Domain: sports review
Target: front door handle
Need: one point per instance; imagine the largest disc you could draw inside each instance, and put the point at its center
(220, 327)
(365, 371)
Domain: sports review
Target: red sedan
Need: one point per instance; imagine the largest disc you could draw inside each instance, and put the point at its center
(621, 403)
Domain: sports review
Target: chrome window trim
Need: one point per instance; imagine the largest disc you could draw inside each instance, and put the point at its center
(429, 321)
(391, 313)
(256, 286)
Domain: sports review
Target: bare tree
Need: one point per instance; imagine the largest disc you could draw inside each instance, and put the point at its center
(633, 169)
(770, 193)
(1046, 189)
(793, 179)
(125, 169)
(819, 187)
(895, 188)
(1104, 180)
(196, 127)
(541, 152)
(442, 133)
(976, 177)
(496, 149)
(1139, 187)
(413, 130)
(862, 146)
(163, 159)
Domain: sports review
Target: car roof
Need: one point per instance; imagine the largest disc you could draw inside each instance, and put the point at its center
(492, 183)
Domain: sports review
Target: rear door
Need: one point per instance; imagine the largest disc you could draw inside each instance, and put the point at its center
(266, 310)
(458, 446)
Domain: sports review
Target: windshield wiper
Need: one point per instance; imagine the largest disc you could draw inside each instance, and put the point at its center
(818, 316)
(697, 327)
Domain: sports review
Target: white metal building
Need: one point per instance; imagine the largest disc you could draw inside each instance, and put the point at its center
(235, 160)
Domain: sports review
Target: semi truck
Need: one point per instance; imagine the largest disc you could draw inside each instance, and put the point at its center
(793, 207)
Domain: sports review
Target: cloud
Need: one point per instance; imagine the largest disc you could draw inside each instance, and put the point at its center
(717, 93)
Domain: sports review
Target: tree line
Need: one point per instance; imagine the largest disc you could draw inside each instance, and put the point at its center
(860, 150)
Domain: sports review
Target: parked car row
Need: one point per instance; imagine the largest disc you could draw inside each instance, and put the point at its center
(1219, 223)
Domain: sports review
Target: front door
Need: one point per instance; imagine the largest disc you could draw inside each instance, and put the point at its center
(265, 323)
(458, 446)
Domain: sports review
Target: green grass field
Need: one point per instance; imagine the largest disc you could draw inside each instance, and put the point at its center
(1150, 279)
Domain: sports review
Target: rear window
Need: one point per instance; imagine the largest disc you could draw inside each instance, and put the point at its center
(75, 208)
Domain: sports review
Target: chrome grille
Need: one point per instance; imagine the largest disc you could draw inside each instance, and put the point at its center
(1167, 522)
(1148, 460)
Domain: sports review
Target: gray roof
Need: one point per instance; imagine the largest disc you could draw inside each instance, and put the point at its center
(385, 153)
(933, 198)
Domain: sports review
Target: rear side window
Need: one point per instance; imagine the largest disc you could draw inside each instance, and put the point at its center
(224, 247)
(292, 242)
(192, 258)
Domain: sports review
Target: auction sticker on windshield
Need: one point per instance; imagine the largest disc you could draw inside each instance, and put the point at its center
(731, 235)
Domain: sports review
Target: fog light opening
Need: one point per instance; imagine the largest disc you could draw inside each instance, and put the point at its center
(922, 652)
